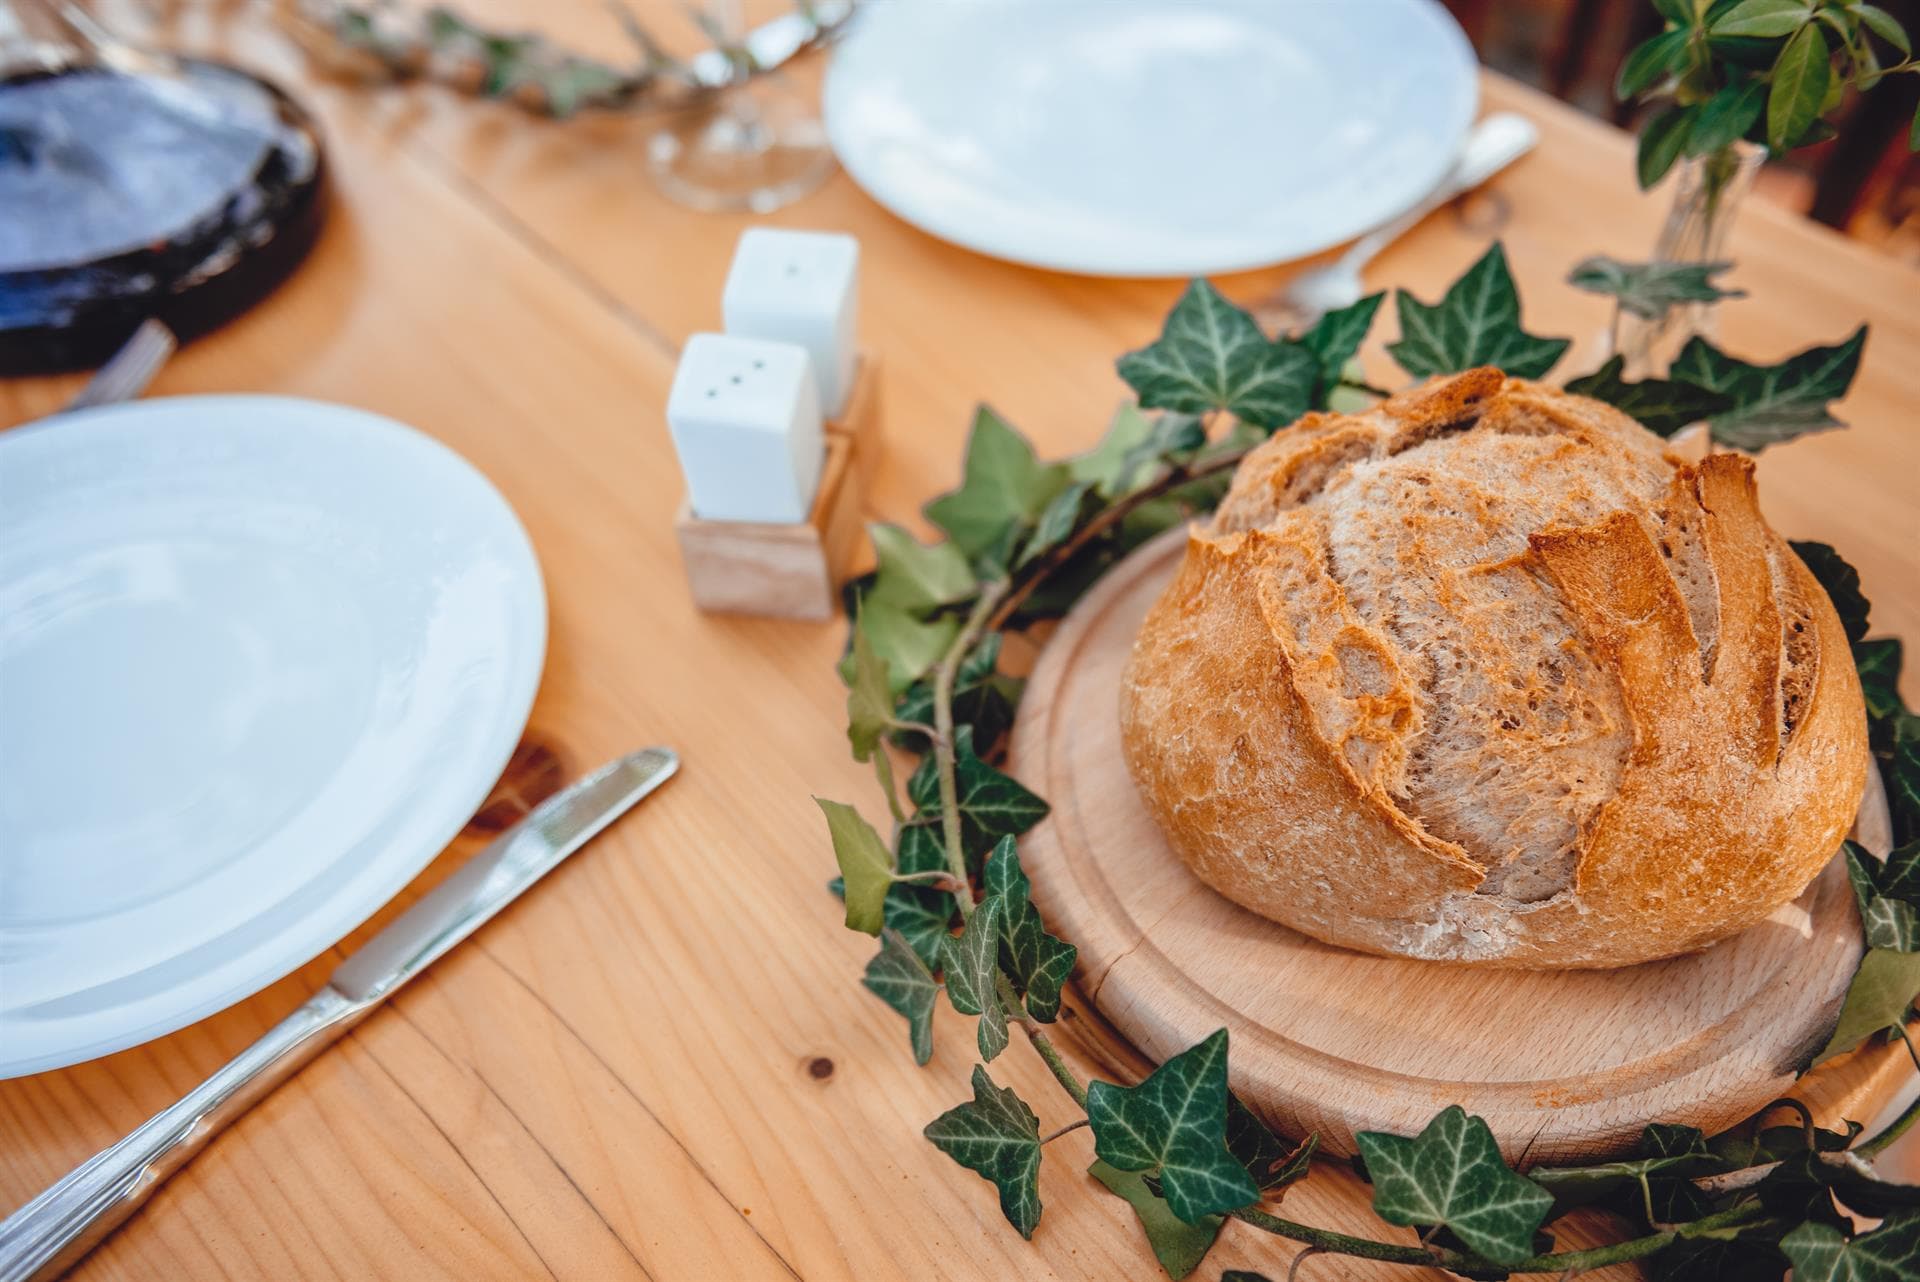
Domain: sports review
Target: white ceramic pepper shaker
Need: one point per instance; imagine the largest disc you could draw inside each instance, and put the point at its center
(799, 287)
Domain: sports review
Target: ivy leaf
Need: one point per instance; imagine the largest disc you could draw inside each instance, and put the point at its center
(1878, 662)
(923, 915)
(1662, 139)
(1800, 1189)
(507, 62)
(1890, 1253)
(899, 978)
(914, 576)
(919, 847)
(1003, 489)
(1648, 289)
(1334, 339)
(1798, 87)
(972, 962)
(1655, 1184)
(1174, 1124)
(1453, 1175)
(1178, 1245)
(924, 918)
(1676, 1154)
(1778, 1143)
(1134, 447)
(1842, 584)
(909, 646)
(1901, 769)
(1891, 923)
(1038, 963)
(1877, 1000)
(1765, 19)
(1859, 1189)
(869, 708)
(1270, 1160)
(1660, 406)
(998, 1137)
(1725, 118)
(992, 805)
(1476, 323)
(866, 866)
(983, 698)
(1719, 1255)
(578, 82)
(1771, 403)
(1888, 894)
(1105, 466)
(1296, 1166)
(1175, 439)
(869, 697)
(1212, 356)
(1057, 522)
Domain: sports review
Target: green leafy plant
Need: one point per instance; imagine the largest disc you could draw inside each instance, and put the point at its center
(1746, 406)
(1768, 71)
(1648, 290)
(950, 904)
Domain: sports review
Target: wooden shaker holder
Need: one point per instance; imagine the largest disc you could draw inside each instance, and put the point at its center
(793, 571)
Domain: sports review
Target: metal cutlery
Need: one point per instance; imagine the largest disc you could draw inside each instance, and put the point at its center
(129, 370)
(1491, 146)
(48, 1235)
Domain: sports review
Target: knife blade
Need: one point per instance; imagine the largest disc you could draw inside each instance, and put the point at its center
(48, 1235)
(492, 879)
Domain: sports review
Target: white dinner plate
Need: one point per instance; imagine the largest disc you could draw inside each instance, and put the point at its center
(260, 659)
(1150, 137)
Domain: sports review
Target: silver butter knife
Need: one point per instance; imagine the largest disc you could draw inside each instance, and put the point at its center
(1491, 146)
(48, 1235)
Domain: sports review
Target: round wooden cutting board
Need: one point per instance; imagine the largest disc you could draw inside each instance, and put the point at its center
(1564, 1065)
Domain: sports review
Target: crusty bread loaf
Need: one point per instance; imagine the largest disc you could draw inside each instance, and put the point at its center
(1485, 675)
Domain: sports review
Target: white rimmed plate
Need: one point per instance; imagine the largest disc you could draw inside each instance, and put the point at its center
(1150, 137)
(260, 659)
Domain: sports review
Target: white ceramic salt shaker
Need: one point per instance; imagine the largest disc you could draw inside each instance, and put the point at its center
(799, 287)
(745, 418)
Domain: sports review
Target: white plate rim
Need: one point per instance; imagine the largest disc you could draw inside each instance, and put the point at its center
(929, 218)
(323, 931)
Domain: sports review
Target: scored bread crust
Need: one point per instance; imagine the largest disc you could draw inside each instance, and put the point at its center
(1485, 675)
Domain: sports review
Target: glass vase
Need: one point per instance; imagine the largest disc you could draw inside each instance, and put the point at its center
(1707, 194)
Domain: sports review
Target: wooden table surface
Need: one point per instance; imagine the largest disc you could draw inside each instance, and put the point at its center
(660, 1063)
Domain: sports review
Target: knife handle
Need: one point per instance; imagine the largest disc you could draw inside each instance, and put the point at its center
(48, 1235)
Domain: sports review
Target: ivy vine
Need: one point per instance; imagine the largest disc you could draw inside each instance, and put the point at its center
(948, 901)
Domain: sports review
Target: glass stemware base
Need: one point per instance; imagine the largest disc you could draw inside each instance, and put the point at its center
(755, 151)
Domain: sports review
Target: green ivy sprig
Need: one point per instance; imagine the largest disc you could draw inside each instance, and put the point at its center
(398, 41)
(950, 904)
(1768, 71)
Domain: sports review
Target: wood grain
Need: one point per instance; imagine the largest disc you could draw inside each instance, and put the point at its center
(1565, 1066)
(661, 1063)
(778, 571)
